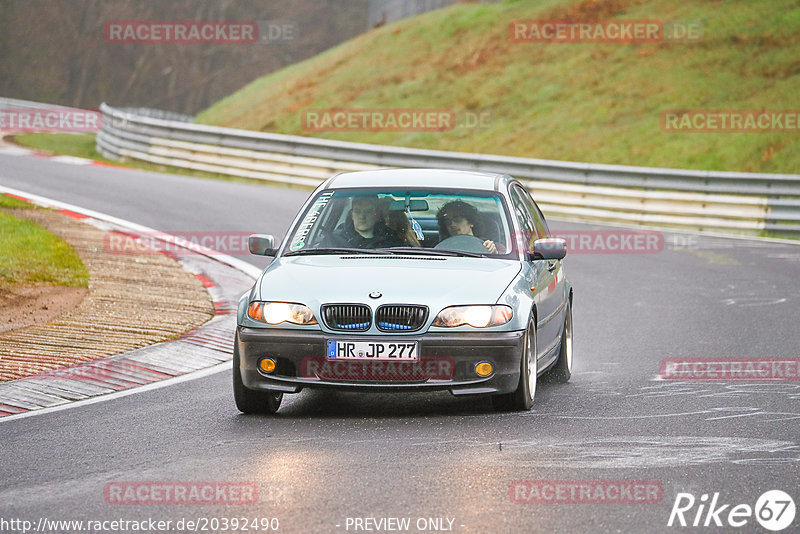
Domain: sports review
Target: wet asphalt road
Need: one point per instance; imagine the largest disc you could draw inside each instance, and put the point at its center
(443, 462)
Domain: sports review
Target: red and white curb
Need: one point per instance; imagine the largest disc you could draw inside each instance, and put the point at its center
(203, 351)
(18, 150)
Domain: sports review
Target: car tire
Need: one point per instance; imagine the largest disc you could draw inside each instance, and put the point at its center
(562, 370)
(522, 398)
(247, 400)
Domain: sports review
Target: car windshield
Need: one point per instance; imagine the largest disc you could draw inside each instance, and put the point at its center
(446, 222)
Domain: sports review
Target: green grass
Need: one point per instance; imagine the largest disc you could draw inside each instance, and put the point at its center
(31, 254)
(7, 201)
(79, 145)
(594, 102)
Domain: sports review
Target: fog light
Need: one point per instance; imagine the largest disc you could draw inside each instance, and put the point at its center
(267, 365)
(484, 368)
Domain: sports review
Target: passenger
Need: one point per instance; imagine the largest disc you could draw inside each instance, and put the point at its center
(363, 227)
(459, 218)
(398, 224)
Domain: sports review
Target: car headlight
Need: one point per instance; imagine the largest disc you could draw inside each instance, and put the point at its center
(280, 312)
(477, 316)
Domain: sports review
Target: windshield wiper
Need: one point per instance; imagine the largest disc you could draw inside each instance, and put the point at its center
(383, 251)
(432, 252)
(337, 250)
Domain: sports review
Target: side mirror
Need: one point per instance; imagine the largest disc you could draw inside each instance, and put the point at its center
(548, 248)
(261, 245)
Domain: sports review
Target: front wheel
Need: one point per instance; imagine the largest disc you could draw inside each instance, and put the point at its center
(522, 398)
(247, 400)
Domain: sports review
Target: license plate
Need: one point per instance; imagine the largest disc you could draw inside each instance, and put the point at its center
(372, 350)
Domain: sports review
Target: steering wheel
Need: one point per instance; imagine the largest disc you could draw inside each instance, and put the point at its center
(321, 239)
(463, 243)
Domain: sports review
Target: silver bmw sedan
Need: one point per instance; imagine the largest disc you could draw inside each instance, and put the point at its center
(407, 279)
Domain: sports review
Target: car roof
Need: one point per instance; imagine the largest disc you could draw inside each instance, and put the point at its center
(421, 178)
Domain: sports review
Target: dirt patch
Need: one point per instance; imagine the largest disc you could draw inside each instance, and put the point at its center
(591, 10)
(25, 305)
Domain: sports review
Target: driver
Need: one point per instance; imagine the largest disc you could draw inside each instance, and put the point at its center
(459, 218)
(363, 227)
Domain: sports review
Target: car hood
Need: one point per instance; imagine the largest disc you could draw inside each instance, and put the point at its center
(433, 281)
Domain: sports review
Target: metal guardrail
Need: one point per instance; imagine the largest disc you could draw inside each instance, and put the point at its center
(14, 103)
(23, 116)
(158, 114)
(729, 201)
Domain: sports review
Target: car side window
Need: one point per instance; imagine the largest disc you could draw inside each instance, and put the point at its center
(538, 218)
(536, 215)
(524, 219)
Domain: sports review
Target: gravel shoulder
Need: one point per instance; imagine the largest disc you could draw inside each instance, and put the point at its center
(133, 300)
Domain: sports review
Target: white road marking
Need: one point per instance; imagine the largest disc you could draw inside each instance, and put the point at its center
(224, 366)
(250, 270)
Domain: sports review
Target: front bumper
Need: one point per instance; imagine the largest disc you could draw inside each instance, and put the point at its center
(447, 362)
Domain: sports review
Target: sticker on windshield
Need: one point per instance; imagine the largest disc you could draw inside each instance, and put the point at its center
(298, 241)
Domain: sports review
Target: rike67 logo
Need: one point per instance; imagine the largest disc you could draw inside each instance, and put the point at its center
(774, 510)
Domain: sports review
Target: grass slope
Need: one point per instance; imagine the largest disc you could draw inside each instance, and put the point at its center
(597, 102)
(31, 254)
